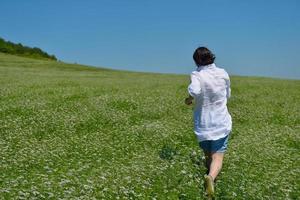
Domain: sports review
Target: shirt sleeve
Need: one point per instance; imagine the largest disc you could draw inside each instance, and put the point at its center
(228, 90)
(194, 88)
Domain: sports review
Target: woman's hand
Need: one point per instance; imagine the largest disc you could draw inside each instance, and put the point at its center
(189, 100)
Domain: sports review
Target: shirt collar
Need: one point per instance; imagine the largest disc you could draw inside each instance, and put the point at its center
(206, 66)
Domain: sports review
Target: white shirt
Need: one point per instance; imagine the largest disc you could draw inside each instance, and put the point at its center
(210, 87)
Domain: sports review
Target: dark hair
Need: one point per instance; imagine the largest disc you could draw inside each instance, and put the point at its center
(203, 56)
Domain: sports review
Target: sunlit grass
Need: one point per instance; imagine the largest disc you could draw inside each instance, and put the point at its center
(70, 131)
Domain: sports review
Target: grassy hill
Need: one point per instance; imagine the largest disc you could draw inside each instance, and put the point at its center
(72, 131)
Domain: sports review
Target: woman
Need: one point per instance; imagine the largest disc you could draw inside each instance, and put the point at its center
(210, 90)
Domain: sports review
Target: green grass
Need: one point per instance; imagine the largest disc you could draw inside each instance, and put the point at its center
(70, 131)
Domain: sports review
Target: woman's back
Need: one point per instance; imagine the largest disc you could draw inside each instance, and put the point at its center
(210, 87)
(213, 84)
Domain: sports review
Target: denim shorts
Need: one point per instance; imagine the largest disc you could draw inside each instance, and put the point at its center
(219, 145)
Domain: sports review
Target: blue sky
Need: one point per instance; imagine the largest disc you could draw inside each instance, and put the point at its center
(260, 38)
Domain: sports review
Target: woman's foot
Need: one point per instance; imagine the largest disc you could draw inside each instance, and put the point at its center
(209, 185)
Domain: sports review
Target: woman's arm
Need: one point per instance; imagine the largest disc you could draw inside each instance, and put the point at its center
(228, 90)
(194, 89)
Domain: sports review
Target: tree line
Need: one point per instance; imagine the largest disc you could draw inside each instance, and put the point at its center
(21, 50)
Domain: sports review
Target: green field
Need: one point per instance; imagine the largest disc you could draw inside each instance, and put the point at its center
(77, 132)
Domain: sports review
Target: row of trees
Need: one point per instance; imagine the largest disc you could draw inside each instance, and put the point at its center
(19, 49)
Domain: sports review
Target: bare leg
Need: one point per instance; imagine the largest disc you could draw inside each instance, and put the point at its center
(216, 164)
